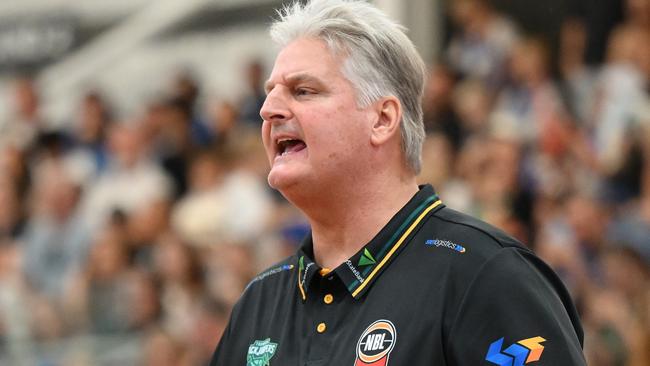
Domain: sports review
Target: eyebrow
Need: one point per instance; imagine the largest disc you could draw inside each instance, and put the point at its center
(292, 79)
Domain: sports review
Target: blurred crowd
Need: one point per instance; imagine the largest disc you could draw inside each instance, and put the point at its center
(143, 229)
(127, 239)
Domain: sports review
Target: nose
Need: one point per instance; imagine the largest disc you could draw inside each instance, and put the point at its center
(274, 108)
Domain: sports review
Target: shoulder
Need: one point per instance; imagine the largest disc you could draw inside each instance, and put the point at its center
(478, 241)
(273, 284)
(279, 272)
(460, 248)
(268, 289)
(488, 271)
(491, 259)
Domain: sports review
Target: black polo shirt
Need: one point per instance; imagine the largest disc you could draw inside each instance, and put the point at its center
(434, 287)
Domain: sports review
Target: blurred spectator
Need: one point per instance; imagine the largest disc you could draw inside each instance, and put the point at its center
(530, 109)
(437, 106)
(232, 206)
(186, 92)
(224, 117)
(144, 228)
(251, 103)
(12, 216)
(618, 315)
(249, 199)
(181, 279)
(578, 77)
(473, 105)
(15, 319)
(21, 129)
(56, 239)
(638, 13)
(143, 291)
(588, 220)
(131, 182)
(437, 160)
(88, 136)
(174, 144)
(210, 320)
(229, 268)
(481, 46)
(599, 18)
(631, 228)
(103, 297)
(620, 111)
(161, 349)
(15, 169)
(199, 215)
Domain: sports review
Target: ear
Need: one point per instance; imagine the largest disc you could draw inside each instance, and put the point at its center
(387, 124)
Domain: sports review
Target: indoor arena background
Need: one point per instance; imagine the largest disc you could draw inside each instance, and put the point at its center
(134, 207)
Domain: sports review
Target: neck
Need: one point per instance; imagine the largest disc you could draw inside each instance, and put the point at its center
(344, 220)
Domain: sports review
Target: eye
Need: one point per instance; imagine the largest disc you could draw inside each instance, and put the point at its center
(304, 91)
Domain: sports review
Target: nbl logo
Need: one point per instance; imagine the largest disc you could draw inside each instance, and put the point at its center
(375, 344)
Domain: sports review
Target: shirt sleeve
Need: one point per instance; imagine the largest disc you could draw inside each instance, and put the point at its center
(515, 312)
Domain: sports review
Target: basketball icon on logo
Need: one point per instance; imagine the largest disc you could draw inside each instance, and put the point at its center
(375, 344)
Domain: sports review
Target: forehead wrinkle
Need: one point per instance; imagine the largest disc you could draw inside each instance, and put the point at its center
(294, 78)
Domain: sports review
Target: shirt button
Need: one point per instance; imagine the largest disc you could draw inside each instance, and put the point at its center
(321, 328)
(328, 299)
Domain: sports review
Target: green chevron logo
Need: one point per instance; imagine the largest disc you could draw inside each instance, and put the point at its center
(260, 352)
(367, 258)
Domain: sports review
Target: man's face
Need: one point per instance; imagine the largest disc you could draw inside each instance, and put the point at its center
(314, 133)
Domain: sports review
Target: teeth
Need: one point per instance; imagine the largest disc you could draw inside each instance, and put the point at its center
(282, 140)
(281, 146)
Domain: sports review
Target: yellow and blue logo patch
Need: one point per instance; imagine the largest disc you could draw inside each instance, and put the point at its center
(519, 353)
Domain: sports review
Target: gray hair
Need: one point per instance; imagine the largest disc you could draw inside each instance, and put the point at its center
(381, 60)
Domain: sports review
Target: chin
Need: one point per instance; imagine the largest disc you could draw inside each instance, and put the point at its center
(293, 186)
(281, 180)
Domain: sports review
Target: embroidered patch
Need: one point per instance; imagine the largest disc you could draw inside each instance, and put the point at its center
(260, 352)
(376, 343)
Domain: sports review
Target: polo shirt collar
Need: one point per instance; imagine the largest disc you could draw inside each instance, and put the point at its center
(363, 268)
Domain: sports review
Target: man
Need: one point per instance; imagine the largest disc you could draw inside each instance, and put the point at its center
(389, 275)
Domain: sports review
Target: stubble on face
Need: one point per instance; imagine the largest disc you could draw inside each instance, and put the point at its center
(310, 100)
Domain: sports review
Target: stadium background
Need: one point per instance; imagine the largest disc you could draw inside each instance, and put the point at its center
(133, 201)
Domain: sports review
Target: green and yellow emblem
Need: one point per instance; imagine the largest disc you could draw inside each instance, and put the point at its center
(261, 352)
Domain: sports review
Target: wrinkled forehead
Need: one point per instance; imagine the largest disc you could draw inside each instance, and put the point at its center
(307, 57)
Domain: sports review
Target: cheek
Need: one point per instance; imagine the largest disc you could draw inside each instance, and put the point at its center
(336, 136)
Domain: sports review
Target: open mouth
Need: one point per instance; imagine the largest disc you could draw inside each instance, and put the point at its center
(288, 146)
